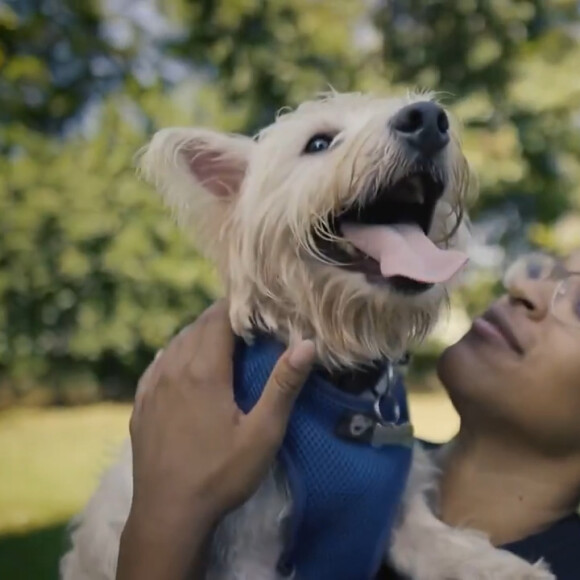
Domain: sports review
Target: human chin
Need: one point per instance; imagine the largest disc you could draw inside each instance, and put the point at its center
(463, 364)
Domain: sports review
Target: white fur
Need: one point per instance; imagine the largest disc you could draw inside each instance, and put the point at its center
(424, 548)
(246, 546)
(254, 206)
(97, 531)
(248, 542)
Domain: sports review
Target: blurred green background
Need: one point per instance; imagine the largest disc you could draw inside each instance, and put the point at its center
(94, 276)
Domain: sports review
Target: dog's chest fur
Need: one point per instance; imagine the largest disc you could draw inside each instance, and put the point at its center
(344, 493)
(249, 542)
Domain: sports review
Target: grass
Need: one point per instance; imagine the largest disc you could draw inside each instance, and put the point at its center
(32, 555)
(51, 459)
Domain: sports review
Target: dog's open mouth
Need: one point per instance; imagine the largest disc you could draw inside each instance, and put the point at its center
(386, 239)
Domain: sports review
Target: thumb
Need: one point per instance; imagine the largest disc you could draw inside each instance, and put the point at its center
(284, 386)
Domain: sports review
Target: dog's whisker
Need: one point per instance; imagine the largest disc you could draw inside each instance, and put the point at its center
(276, 228)
(313, 239)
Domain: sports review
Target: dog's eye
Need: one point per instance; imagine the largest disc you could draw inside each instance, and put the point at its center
(318, 143)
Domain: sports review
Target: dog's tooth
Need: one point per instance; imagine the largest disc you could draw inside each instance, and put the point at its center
(348, 248)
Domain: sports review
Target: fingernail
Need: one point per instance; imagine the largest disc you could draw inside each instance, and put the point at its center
(302, 355)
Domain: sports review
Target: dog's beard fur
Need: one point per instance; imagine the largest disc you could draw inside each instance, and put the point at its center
(258, 206)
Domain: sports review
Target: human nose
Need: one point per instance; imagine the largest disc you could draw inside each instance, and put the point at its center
(531, 295)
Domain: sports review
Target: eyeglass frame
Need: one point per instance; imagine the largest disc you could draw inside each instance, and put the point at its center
(558, 273)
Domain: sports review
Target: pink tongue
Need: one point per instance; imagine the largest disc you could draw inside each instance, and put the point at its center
(404, 250)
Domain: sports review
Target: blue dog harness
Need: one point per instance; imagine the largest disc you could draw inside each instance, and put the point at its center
(345, 487)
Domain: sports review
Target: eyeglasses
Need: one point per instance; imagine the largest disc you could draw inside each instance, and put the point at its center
(565, 301)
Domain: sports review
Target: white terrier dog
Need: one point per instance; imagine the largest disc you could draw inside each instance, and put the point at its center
(341, 222)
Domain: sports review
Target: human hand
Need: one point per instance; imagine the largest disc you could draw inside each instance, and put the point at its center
(195, 454)
(192, 447)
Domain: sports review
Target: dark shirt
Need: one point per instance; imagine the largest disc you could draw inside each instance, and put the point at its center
(558, 546)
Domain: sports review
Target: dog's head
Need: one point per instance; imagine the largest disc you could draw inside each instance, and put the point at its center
(337, 222)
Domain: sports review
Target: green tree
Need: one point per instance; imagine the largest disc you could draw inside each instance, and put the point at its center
(93, 274)
(509, 70)
(54, 61)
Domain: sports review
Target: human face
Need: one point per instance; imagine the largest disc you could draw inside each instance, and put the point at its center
(517, 369)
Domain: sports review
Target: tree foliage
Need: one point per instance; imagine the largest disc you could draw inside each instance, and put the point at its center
(93, 274)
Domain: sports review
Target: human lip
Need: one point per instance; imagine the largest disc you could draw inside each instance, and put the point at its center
(495, 325)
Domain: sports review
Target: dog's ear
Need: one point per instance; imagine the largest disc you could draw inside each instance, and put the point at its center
(218, 162)
(199, 173)
(184, 163)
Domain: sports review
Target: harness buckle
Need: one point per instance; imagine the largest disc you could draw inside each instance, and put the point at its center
(374, 429)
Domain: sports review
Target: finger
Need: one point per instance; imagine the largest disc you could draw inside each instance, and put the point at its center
(149, 378)
(202, 351)
(212, 349)
(283, 387)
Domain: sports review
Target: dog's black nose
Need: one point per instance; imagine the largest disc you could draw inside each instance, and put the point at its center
(424, 126)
